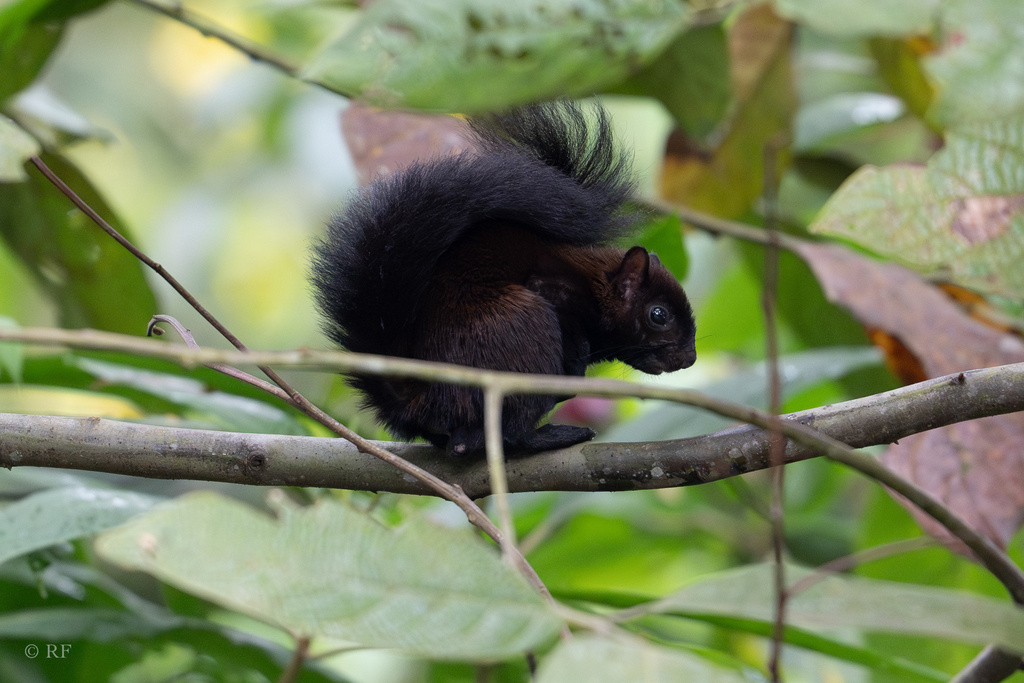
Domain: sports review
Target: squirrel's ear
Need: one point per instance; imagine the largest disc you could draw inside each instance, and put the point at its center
(632, 273)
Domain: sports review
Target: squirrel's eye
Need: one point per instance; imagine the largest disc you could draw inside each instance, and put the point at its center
(658, 316)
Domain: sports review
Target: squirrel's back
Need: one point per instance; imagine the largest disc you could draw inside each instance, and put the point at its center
(544, 168)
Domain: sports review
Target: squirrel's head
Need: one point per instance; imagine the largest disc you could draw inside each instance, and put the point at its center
(648, 315)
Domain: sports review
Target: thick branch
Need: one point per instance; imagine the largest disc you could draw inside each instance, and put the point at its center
(160, 452)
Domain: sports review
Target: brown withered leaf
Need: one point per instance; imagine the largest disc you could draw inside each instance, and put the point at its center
(977, 468)
(382, 142)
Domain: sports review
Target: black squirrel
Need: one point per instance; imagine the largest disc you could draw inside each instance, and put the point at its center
(497, 259)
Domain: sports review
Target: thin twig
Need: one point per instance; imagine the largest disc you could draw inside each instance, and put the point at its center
(187, 17)
(233, 372)
(848, 562)
(137, 253)
(496, 468)
(721, 226)
(992, 664)
(776, 514)
(294, 668)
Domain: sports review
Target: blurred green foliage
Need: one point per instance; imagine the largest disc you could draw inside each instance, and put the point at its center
(223, 169)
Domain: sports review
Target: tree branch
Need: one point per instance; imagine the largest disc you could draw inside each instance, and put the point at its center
(261, 459)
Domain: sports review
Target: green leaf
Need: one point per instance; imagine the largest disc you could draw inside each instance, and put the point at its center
(61, 624)
(664, 237)
(329, 570)
(985, 158)
(600, 660)
(23, 54)
(979, 72)
(29, 32)
(145, 625)
(861, 19)
(471, 55)
(223, 410)
(16, 146)
(844, 602)
(814, 641)
(95, 282)
(22, 481)
(24, 46)
(962, 216)
(59, 515)
(691, 78)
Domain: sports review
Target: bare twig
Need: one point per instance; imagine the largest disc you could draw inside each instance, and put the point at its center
(137, 253)
(181, 14)
(992, 664)
(496, 468)
(291, 672)
(776, 515)
(721, 226)
(848, 562)
(235, 373)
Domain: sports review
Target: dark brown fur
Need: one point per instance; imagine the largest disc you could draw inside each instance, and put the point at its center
(497, 261)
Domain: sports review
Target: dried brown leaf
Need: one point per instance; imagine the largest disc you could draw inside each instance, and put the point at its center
(977, 468)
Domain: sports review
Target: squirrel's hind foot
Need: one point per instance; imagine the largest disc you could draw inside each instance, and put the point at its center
(466, 442)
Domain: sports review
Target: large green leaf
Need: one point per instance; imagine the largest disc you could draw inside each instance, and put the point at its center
(95, 282)
(219, 409)
(329, 570)
(468, 55)
(979, 71)
(58, 515)
(845, 602)
(22, 481)
(961, 216)
(102, 624)
(29, 32)
(603, 660)
(24, 45)
(691, 78)
(96, 630)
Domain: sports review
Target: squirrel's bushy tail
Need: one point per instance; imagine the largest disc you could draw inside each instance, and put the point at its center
(545, 168)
